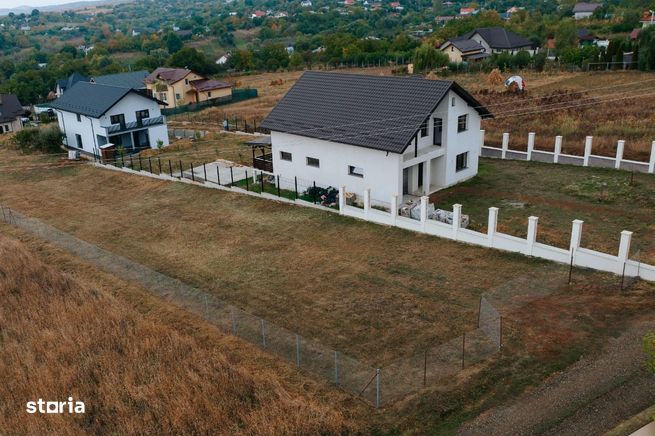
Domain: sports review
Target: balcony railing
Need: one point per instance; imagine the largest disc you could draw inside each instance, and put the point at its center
(409, 155)
(126, 127)
(264, 163)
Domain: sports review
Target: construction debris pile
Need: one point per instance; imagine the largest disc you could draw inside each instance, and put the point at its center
(412, 209)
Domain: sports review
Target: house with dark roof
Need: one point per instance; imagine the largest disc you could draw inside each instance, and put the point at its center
(180, 87)
(499, 40)
(94, 117)
(131, 79)
(464, 50)
(11, 112)
(393, 135)
(583, 10)
(64, 84)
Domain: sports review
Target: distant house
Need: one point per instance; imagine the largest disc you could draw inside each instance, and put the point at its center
(443, 19)
(584, 10)
(306, 3)
(464, 50)
(394, 135)
(223, 59)
(93, 116)
(647, 19)
(11, 112)
(63, 84)
(396, 6)
(258, 14)
(634, 34)
(179, 87)
(498, 40)
(464, 12)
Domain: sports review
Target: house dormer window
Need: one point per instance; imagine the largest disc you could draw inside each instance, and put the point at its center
(79, 118)
(186, 81)
(452, 102)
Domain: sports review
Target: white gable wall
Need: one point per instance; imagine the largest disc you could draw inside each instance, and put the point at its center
(459, 142)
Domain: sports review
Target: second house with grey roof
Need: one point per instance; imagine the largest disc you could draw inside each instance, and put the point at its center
(94, 117)
(392, 135)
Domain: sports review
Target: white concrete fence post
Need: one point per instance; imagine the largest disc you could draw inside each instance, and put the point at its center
(342, 200)
(531, 136)
(492, 225)
(651, 165)
(424, 211)
(503, 153)
(394, 209)
(558, 148)
(482, 132)
(367, 202)
(532, 234)
(624, 250)
(619, 153)
(587, 150)
(457, 219)
(576, 238)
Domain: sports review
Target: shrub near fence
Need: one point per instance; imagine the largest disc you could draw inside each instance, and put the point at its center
(238, 94)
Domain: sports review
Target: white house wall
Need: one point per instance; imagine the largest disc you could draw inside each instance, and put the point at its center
(459, 142)
(380, 168)
(90, 128)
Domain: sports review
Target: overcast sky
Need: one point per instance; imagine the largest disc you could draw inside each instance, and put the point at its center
(34, 3)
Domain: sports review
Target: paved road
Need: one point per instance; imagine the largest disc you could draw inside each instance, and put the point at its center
(590, 397)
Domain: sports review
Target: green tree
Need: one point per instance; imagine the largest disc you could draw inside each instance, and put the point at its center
(192, 59)
(566, 35)
(426, 57)
(647, 49)
(173, 42)
(437, 7)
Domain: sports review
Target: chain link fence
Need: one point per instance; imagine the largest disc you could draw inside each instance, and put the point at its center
(374, 385)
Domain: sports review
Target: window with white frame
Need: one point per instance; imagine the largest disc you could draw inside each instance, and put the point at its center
(313, 162)
(462, 161)
(285, 155)
(462, 123)
(355, 171)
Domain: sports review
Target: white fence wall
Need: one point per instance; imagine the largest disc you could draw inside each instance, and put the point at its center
(575, 255)
(556, 156)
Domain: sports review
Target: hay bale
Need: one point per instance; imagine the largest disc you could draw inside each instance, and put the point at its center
(495, 78)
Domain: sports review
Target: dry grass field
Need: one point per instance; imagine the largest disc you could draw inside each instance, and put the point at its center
(139, 366)
(373, 292)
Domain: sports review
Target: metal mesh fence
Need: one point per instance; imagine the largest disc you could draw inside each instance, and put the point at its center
(348, 373)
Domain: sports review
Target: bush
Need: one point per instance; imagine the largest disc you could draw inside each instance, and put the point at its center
(41, 140)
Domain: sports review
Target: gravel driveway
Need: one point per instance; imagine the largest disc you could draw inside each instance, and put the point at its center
(588, 398)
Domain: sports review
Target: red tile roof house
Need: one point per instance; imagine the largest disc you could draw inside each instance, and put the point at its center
(179, 87)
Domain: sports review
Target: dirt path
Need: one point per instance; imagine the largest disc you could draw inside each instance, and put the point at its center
(589, 397)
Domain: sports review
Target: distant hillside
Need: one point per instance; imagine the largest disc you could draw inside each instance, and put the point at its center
(62, 7)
